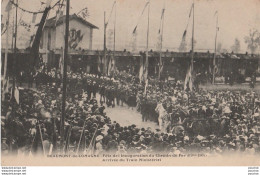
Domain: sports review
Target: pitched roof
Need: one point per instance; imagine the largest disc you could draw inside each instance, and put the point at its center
(51, 22)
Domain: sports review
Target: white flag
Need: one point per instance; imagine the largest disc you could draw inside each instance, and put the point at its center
(16, 95)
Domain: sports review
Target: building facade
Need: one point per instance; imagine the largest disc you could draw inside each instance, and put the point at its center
(80, 35)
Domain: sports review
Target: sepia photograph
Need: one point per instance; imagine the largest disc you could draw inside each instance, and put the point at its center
(130, 82)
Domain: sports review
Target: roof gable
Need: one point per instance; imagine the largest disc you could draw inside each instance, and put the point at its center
(52, 21)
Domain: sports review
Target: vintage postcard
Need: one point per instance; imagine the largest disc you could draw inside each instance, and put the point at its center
(130, 83)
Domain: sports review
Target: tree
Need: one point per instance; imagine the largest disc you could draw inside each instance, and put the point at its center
(236, 47)
(253, 40)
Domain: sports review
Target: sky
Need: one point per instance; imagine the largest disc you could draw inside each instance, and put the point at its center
(235, 19)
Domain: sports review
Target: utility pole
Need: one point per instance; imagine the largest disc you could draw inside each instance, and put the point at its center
(64, 81)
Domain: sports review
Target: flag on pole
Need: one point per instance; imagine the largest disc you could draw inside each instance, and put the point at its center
(59, 14)
(146, 85)
(140, 16)
(141, 70)
(135, 29)
(84, 13)
(61, 62)
(188, 80)
(161, 20)
(16, 95)
(109, 66)
(99, 63)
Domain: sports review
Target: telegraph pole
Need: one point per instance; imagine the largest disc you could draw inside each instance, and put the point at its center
(64, 81)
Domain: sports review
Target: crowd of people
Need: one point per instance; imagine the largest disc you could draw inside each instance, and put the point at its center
(212, 122)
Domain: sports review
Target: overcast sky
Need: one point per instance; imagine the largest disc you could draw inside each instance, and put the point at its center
(236, 18)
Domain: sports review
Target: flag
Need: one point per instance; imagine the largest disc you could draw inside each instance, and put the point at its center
(161, 20)
(184, 35)
(109, 66)
(135, 29)
(34, 17)
(141, 70)
(67, 144)
(161, 67)
(8, 6)
(59, 13)
(99, 64)
(188, 80)
(5, 87)
(141, 16)
(61, 63)
(146, 85)
(16, 95)
(84, 13)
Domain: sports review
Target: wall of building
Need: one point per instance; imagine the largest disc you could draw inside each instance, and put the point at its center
(80, 36)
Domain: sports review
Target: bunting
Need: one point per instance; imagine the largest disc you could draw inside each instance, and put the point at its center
(25, 25)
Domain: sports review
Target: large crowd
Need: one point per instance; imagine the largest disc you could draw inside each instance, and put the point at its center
(212, 122)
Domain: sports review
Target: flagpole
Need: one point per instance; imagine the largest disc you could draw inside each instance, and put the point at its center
(6, 42)
(192, 42)
(160, 67)
(147, 44)
(105, 28)
(14, 57)
(63, 113)
(214, 58)
(114, 41)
